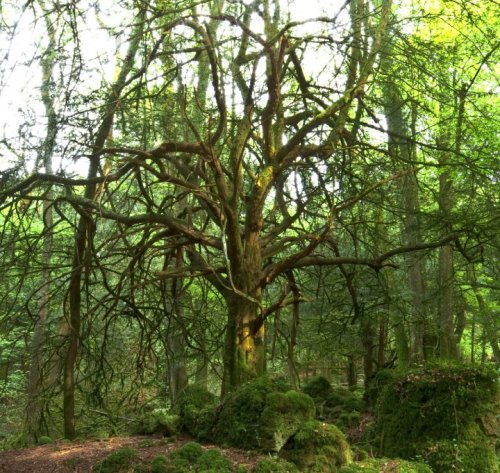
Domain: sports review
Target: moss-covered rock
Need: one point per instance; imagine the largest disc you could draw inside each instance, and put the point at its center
(159, 421)
(468, 453)
(319, 388)
(212, 461)
(376, 384)
(191, 458)
(393, 465)
(44, 440)
(159, 464)
(318, 447)
(260, 416)
(120, 461)
(197, 408)
(338, 405)
(188, 454)
(283, 414)
(433, 412)
(274, 465)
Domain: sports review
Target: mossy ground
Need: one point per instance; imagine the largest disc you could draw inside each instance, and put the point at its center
(378, 465)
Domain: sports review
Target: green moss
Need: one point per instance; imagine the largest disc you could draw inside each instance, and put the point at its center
(274, 465)
(283, 414)
(159, 464)
(119, 461)
(318, 447)
(212, 461)
(159, 421)
(469, 453)
(376, 384)
(319, 388)
(432, 404)
(196, 407)
(44, 440)
(260, 415)
(190, 452)
(339, 405)
(393, 465)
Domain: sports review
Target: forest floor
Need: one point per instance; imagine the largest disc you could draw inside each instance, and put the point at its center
(82, 456)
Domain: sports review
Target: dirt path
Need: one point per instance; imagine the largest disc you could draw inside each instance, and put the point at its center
(81, 457)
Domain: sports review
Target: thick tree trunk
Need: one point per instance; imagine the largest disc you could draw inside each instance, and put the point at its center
(245, 356)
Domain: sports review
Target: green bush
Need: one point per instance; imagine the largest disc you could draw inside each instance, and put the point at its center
(119, 461)
(274, 465)
(196, 407)
(393, 465)
(261, 416)
(318, 447)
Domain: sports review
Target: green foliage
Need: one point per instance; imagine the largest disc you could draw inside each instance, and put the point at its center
(274, 465)
(196, 407)
(260, 415)
(119, 461)
(393, 465)
(434, 411)
(241, 469)
(44, 440)
(318, 447)
(158, 421)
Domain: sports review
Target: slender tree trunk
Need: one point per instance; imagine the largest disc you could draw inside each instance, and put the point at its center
(36, 403)
(448, 348)
(351, 374)
(84, 235)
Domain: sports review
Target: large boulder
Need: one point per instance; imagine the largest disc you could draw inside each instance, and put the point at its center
(434, 413)
(262, 415)
(318, 447)
(197, 408)
(336, 405)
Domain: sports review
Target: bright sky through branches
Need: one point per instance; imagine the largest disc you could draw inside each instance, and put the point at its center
(23, 39)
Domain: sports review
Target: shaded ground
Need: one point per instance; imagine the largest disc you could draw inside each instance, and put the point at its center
(81, 457)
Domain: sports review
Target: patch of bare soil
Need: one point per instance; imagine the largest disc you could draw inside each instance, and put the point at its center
(82, 457)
